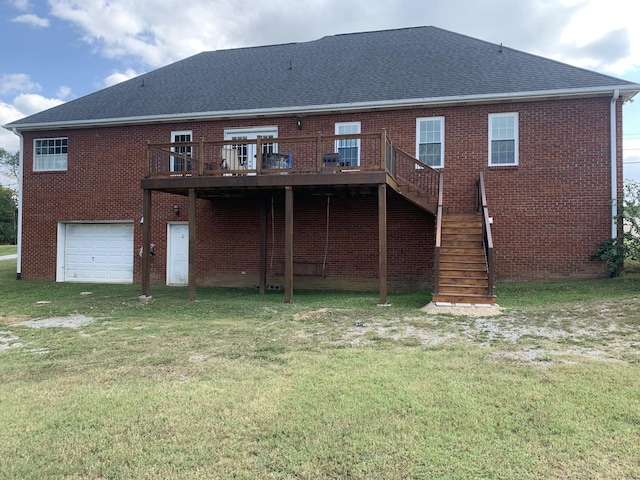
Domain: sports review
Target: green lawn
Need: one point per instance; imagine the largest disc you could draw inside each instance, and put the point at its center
(238, 385)
(8, 250)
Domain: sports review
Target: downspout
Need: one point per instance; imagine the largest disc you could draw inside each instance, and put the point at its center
(614, 166)
(19, 233)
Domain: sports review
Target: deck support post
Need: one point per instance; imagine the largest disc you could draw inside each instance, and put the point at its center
(288, 245)
(263, 245)
(192, 244)
(382, 241)
(146, 242)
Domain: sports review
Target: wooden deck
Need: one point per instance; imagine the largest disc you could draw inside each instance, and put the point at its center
(210, 169)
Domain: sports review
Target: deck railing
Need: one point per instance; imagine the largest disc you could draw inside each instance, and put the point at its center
(320, 153)
(486, 228)
(412, 172)
(310, 154)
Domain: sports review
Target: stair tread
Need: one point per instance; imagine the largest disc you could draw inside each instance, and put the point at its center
(463, 262)
(463, 276)
(466, 294)
(464, 287)
(450, 270)
(460, 277)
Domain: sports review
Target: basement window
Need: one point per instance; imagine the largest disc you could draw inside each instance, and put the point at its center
(50, 154)
(503, 139)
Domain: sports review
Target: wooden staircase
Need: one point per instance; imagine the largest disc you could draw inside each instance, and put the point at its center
(418, 197)
(463, 277)
(464, 266)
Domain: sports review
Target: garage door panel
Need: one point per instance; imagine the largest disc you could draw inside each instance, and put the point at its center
(101, 253)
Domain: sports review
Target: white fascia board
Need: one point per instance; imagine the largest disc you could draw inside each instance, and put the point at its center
(628, 91)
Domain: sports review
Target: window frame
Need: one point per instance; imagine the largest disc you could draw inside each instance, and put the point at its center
(182, 149)
(40, 159)
(515, 139)
(440, 120)
(341, 145)
(247, 151)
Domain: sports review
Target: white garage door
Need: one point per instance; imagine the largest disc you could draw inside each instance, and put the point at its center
(98, 252)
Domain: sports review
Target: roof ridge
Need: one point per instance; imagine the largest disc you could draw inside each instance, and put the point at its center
(431, 65)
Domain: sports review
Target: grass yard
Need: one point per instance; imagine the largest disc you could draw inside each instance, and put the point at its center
(242, 386)
(8, 250)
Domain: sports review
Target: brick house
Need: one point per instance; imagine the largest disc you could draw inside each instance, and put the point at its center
(404, 159)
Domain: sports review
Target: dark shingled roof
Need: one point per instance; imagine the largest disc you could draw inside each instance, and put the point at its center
(387, 67)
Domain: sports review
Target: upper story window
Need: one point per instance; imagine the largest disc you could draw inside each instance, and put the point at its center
(430, 141)
(177, 163)
(50, 154)
(348, 148)
(503, 139)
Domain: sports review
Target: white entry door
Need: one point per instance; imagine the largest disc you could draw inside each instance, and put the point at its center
(247, 151)
(177, 253)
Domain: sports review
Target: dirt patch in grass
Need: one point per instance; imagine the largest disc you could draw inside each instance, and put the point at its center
(470, 311)
(9, 340)
(582, 332)
(312, 314)
(72, 321)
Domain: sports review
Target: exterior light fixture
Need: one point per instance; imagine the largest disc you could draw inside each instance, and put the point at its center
(176, 209)
(299, 123)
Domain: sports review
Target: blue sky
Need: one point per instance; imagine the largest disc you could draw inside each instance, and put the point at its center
(58, 50)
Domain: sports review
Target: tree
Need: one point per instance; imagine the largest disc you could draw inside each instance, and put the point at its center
(8, 216)
(10, 165)
(9, 169)
(616, 250)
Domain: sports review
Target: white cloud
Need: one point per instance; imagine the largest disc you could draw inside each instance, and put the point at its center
(607, 31)
(32, 19)
(63, 92)
(17, 82)
(158, 33)
(119, 77)
(8, 140)
(23, 105)
(30, 103)
(20, 4)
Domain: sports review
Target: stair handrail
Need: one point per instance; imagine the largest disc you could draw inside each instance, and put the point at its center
(486, 228)
(404, 167)
(436, 257)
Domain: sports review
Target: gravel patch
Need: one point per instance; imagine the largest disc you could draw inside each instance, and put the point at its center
(72, 321)
(467, 311)
(8, 340)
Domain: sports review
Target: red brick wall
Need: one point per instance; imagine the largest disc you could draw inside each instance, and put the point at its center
(550, 211)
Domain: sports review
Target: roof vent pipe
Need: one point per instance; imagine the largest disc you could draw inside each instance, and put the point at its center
(614, 165)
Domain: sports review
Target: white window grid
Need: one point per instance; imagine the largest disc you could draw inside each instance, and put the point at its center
(430, 141)
(503, 139)
(50, 154)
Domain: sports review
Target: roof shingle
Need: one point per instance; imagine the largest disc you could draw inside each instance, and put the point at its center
(362, 68)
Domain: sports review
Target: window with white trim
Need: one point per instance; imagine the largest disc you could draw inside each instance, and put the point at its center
(50, 154)
(430, 141)
(348, 148)
(503, 139)
(177, 163)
